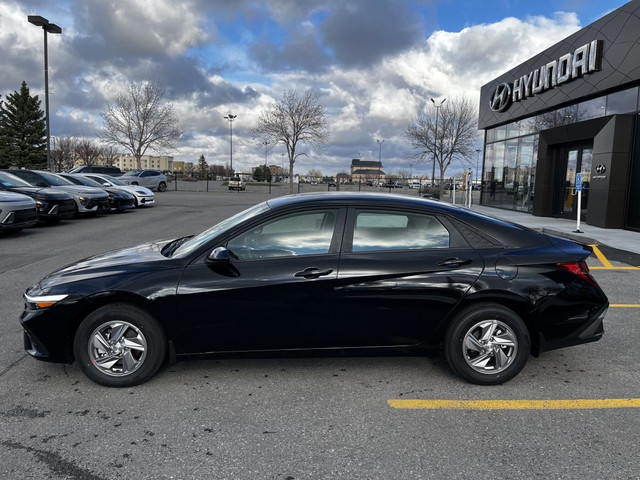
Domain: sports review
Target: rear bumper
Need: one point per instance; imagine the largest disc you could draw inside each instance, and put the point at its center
(591, 329)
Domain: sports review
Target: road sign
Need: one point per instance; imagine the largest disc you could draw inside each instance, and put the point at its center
(578, 182)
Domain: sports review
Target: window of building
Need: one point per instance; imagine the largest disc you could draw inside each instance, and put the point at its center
(592, 108)
(625, 101)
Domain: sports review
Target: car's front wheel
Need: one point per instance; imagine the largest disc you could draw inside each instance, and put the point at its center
(487, 344)
(162, 187)
(119, 345)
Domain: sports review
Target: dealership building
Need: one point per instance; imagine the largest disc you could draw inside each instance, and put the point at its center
(572, 109)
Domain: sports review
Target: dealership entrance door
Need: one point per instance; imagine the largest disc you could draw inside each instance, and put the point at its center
(573, 158)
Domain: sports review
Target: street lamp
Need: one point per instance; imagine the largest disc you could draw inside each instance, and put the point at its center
(48, 28)
(477, 162)
(433, 174)
(380, 142)
(231, 118)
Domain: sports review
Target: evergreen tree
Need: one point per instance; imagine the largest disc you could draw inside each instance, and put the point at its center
(203, 167)
(22, 131)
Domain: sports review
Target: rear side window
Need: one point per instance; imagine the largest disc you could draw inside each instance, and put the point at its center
(397, 231)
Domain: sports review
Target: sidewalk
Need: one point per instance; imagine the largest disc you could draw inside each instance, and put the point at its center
(619, 239)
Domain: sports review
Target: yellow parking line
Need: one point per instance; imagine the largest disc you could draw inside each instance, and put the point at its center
(515, 404)
(625, 305)
(606, 264)
(601, 257)
(614, 268)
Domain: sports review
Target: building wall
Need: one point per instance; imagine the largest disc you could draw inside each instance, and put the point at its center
(148, 162)
(618, 32)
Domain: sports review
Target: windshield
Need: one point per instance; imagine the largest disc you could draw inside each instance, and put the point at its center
(89, 182)
(9, 181)
(114, 181)
(55, 180)
(199, 240)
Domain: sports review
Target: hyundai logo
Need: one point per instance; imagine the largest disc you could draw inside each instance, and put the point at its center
(501, 98)
(600, 169)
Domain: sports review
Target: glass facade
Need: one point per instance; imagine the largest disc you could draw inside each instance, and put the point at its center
(511, 150)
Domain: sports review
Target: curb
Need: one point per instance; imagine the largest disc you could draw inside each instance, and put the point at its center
(571, 236)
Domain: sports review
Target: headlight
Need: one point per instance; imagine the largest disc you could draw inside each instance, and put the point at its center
(43, 301)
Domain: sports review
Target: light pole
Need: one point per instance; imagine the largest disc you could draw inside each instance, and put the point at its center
(231, 118)
(433, 172)
(477, 162)
(47, 28)
(380, 142)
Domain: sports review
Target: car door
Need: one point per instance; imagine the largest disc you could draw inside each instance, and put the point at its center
(275, 291)
(401, 273)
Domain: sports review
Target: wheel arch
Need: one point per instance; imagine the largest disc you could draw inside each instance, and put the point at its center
(99, 300)
(513, 302)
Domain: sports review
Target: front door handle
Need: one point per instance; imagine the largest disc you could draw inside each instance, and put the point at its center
(455, 262)
(312, 272)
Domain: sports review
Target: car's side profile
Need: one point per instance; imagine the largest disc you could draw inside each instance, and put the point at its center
(322, 272)
(153, 179)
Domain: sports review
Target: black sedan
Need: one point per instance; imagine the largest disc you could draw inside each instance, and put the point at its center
(328, 271)
(52, 205)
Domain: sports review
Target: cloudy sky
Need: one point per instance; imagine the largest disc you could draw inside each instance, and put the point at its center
(375, 63)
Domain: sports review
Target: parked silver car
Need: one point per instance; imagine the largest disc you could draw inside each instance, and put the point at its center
(153, 179)
(17, 211)
(142, 195)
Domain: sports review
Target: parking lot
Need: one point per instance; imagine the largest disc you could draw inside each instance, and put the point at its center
(571, 413)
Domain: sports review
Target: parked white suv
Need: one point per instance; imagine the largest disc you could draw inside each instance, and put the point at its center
(153, 179)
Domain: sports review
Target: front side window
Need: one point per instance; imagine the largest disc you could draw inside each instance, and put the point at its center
(397, 231)
(305, 233)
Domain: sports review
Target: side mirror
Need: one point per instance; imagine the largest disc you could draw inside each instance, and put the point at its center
(219, 256)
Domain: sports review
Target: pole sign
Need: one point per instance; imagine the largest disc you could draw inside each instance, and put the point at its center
(578, 182)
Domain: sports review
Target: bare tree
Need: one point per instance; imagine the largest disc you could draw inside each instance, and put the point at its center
(63, 153)
(109, 155)
(295, 120)
(455, 138)
(140, 119)
(88, 151)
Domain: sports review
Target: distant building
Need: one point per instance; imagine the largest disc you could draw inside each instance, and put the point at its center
(363, 170)
(150, 162)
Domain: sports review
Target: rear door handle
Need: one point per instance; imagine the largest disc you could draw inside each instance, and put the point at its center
(312, 272)
(455, 262)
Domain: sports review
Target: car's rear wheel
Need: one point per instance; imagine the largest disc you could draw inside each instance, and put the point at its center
(162, 187)
(487, 344)
(119, 345)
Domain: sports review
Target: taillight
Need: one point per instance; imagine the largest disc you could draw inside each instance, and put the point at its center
(581, 269)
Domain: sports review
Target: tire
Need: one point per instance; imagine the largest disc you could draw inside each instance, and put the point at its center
(487, 344)
(162, 187)
(137, 354)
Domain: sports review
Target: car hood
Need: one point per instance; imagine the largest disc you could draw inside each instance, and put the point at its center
(43, 193)
(84, 191)
(15, 197)
(136, 188)
(135, 259)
